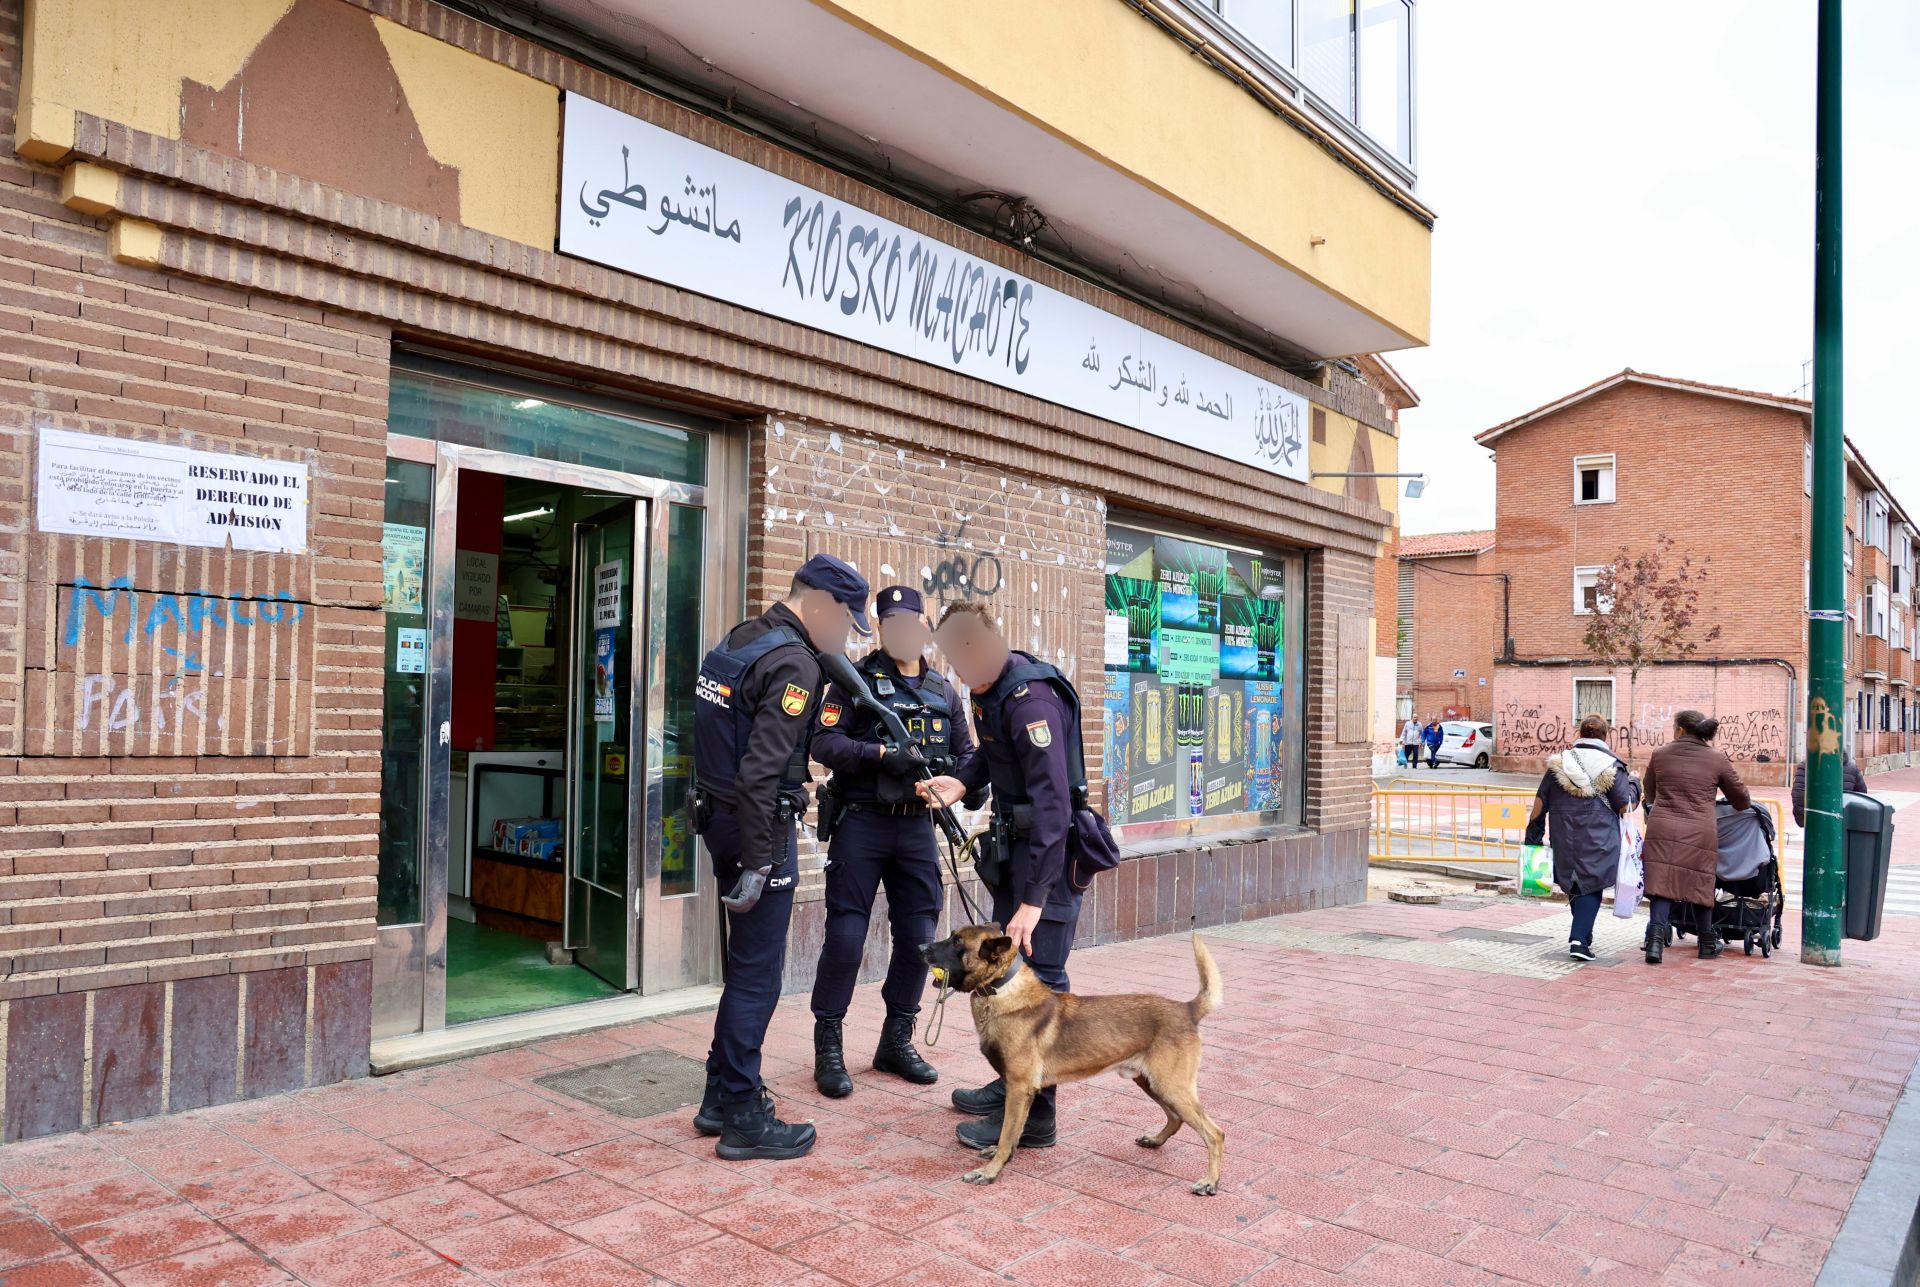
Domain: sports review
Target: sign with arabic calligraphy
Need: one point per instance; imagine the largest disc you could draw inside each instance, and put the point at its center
(647, 201)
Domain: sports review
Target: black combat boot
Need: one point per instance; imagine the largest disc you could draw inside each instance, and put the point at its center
(753, 1133)
(896, 1054)
(829, 1060)
(983, 1102)
(710, 1120)
(1710, 945)
(1656, 942)
(1039, 1132)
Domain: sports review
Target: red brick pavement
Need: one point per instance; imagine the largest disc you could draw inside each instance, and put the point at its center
(1387, 1123)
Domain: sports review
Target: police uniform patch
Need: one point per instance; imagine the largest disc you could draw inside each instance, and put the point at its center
(1040, 733)
(794, 700)
(830, 714)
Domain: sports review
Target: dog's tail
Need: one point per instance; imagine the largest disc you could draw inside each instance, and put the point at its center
(1211, 992)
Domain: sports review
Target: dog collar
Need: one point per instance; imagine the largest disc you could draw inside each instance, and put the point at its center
(1004, 979)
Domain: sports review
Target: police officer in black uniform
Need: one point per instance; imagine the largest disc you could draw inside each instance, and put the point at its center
(758, 692)
(1027, 717)
(880, 835)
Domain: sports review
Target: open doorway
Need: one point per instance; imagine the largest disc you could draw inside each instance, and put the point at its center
(538, 853)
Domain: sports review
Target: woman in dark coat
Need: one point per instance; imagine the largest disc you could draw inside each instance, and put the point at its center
(1578, 808)
(1683, 829)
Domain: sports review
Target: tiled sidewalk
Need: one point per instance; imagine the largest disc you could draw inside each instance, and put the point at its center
(1388, 1121)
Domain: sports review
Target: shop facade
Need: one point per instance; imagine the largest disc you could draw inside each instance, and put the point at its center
(379, 482)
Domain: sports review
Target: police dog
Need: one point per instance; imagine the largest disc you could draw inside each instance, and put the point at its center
(1036, 1037)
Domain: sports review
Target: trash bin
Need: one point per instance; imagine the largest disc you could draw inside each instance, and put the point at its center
(1869, 852)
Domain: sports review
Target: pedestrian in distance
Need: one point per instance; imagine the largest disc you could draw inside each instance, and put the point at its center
(1431, 737)
(1585, 792)
(879, 835)
(1410, 744)
(1852, 779)
(1027, 716)
(1682, 854)
(756, 697)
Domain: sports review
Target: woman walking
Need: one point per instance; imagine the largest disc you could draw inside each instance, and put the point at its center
(1682, 852)
(1586, 790)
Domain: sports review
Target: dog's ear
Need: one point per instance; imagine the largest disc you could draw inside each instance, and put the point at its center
(997, 949)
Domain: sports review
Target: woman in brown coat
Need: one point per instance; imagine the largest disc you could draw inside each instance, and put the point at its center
(1683, 831)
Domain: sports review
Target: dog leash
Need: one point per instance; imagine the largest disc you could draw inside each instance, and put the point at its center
(937, 1021)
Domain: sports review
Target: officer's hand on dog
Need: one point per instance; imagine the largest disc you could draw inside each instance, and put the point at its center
(941, 790)
(1020, 928)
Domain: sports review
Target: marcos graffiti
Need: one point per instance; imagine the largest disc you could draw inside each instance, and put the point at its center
(183, 624)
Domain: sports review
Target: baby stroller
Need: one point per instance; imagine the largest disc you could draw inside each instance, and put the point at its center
(1747, 892)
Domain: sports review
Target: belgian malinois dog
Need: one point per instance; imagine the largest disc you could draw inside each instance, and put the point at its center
(1036, 1037)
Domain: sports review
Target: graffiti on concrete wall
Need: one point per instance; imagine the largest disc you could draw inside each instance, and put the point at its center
(1534, 714)
(1525, 729)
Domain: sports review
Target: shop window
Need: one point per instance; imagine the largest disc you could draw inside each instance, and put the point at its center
(1593, 480)
(1202, 719)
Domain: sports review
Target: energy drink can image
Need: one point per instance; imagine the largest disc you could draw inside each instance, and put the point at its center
(1155, 751)
(1223, 728)
(1263, 755)
(1196, 799)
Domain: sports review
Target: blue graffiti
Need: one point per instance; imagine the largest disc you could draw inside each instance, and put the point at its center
(191, 614)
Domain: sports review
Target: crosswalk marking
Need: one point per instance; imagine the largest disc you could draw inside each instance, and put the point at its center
(1903, 887)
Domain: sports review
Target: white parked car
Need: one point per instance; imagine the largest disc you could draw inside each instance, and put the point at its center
(1467, 744)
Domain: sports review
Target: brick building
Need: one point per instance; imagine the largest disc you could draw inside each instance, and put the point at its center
(1450, 606)
(1726, 473)
(394, 406)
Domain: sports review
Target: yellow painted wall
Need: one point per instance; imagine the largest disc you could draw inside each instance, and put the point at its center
(1198, 137)
(124, 60)
(1335, 456)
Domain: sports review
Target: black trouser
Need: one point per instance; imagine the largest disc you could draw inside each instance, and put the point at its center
(1586, 909)
(755, 966)
(1660, 917)
(1052, 941)
(871, 850)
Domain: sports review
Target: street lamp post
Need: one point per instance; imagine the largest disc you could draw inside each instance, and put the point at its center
(1824, 879)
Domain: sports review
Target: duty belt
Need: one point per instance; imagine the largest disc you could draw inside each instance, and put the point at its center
(880, 806)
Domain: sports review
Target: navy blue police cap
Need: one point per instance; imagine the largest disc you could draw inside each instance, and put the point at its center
(897, 598)
(838, 578)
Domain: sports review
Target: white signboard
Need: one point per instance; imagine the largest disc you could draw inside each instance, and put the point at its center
(88, 485)
(645, 200)
(476, 581)
(1116, 641)
(410, 651)
(606, 595)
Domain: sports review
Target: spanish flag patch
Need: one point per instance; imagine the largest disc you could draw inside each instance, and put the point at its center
(794, 700)
(830, 714)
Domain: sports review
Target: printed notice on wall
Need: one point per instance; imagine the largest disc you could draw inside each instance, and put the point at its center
(606, 595)
(89, 485)
(476, 581)
(1116, 641)
(403, 560)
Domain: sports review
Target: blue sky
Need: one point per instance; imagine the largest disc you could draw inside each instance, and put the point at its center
(1632, 185)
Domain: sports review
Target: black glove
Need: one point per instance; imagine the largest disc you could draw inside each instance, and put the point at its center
(904, 762)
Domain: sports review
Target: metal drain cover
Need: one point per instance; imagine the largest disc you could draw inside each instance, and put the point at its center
(638, 1085)
(1372, 936)
(1492, 936)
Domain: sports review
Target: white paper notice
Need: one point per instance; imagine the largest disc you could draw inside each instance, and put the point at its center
(606, 595)
(403, 550)
(410, 651)
(88, 485)
(1116, 641)
(476, 580)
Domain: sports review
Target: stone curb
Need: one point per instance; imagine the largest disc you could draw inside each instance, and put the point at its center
(1879, 1244)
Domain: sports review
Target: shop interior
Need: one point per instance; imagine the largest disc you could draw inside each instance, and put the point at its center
(516, 655)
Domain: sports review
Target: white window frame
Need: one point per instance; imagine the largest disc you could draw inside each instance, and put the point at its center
(1609, 479)
(1580, 608)
(1877, 605)
(1806, 477)
(1613, 696)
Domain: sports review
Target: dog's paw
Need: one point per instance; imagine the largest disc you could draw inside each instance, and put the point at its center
(978, 1177)
(1148, 1141)
(1206, 1189)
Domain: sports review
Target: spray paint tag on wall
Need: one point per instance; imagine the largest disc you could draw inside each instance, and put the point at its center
(606, 678)
(606, 595)
(410, 651)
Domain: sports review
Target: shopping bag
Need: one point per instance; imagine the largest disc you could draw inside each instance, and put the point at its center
(1633, 873)
(1536, 871)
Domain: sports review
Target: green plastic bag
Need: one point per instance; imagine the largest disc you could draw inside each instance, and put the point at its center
(1536, 871)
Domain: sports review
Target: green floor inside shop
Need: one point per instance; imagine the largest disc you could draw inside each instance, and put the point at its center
(491, 972)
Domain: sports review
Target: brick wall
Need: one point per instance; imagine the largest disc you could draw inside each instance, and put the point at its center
(187, 835)
(1456, 626)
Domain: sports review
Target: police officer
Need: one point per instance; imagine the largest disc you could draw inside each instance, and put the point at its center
(1027, 717)
(881, 835)
(758, 693)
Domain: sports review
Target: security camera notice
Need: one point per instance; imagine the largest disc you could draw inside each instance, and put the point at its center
(150, 491)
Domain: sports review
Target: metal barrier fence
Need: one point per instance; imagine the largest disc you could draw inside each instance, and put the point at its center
(1469, 825)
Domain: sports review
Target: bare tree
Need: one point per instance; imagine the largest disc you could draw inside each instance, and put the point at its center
(1643, 611)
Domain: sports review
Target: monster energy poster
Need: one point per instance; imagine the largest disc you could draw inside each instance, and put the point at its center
(1193, 715)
